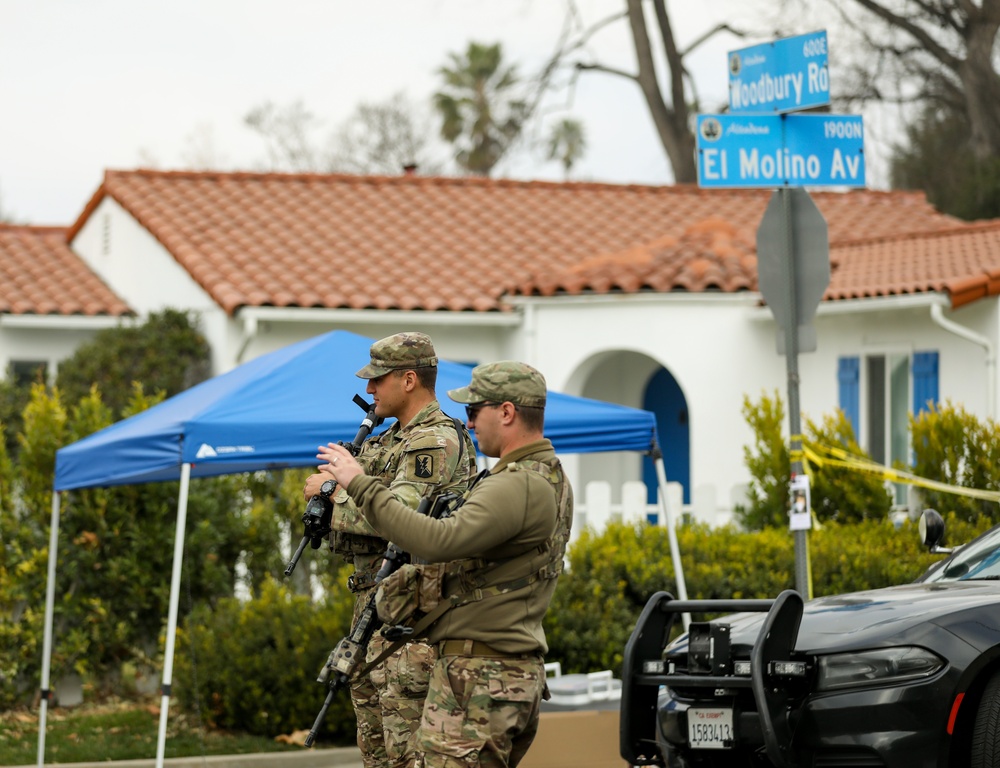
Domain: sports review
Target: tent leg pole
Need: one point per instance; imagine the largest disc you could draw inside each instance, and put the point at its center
(50, 602)
(175, 591)
(675, 552)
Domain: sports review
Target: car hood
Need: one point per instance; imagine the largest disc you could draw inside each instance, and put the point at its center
(875, 617)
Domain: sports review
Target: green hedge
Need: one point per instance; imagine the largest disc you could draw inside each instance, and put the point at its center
(252, 665)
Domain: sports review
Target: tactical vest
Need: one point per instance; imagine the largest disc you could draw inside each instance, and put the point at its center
(430, 590)
(547, 560)
(353, 536)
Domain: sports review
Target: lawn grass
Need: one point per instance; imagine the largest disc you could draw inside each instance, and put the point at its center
(118, 730)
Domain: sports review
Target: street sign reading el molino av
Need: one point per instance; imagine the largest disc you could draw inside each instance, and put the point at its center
(780, 150)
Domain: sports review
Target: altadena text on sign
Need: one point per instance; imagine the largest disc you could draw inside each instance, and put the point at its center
(814, 150)
(781, 76)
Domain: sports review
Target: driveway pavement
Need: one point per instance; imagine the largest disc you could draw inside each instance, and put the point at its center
(336, 757)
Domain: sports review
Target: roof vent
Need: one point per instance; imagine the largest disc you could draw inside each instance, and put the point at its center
(106, 235)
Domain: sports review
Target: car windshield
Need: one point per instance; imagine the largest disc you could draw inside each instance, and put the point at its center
(980, 559)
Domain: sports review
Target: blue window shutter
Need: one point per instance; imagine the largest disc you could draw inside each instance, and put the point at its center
(925, 380)
(849, 387)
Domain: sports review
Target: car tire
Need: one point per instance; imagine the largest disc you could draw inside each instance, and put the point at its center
(986, 733)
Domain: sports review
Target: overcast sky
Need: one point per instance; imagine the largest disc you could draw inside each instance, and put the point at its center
(90, 85)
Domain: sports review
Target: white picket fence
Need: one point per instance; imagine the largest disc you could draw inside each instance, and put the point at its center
(595, 510)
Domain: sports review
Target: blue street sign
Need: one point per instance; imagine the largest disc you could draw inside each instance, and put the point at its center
(814, 150)
(781, 76)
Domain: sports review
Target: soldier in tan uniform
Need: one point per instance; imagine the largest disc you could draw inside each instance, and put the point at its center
(423, 452)
(500, 554)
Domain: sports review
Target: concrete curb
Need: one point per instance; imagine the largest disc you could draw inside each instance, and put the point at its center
(342, 757)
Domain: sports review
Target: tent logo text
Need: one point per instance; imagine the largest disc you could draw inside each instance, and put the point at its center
(208, 452)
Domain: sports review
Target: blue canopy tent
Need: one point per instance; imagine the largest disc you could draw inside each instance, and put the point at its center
(272, 413)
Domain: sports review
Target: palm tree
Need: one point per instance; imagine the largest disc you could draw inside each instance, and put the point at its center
(567, 143)
(481, 112)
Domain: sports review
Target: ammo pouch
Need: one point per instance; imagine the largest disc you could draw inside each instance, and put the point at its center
(409, 593)
(416, 591)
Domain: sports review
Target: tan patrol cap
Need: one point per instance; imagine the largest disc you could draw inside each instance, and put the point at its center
(506, 381)
(402, 351)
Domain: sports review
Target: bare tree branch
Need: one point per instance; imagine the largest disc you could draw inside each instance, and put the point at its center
(670, 107)
(706, 36)
(918, 33)
(582, 66)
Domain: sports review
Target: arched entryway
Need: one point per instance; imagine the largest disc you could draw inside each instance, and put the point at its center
(637, 380)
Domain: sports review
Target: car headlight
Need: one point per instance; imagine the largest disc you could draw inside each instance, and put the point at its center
(881, 666)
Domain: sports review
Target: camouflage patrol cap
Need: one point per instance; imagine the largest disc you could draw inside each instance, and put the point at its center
(506, 381)
(402, 351)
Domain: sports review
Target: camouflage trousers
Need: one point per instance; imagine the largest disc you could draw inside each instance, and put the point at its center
(389, 700)
(480, 711)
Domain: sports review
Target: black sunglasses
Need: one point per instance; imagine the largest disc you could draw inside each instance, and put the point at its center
(471, 411)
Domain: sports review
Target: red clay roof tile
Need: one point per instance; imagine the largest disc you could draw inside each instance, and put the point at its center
(412, 242)
(965, 263)
(39, 274)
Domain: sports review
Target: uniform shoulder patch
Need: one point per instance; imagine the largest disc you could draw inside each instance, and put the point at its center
(424, 465)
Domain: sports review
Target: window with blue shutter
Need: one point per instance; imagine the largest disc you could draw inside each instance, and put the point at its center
(925, 380)
(848, 369)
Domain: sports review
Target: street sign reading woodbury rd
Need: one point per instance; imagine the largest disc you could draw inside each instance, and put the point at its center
(814, 150)
(781, 76)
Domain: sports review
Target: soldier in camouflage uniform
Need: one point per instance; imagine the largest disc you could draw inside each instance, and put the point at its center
(424, 451)
(502, 552)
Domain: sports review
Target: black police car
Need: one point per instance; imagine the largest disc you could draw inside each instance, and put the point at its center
(901, 677)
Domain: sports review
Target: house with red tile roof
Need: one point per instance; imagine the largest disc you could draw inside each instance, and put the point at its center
(645, 296)
(50, 301)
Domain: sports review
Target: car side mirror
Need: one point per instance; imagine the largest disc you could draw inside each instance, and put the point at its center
(931, 527)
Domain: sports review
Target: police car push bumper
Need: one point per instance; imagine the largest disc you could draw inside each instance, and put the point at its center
(711, 668)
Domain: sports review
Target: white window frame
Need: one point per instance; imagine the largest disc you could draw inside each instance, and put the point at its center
(888, 456)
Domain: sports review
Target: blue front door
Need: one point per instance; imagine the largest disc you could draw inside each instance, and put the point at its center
(664, 398)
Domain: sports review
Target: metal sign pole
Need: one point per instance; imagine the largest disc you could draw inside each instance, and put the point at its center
(803, 582)
(762, 143)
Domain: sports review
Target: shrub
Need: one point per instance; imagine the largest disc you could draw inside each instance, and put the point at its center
(840, 494)
(114, 556)
(769, 465)
(954, 447)
(837, 493)
(252, 665)
(167, 354)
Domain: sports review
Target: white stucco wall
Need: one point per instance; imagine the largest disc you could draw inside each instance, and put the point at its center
(721, 348)
(49, 339)
(141, 271)
(708, 342)
(904, 326)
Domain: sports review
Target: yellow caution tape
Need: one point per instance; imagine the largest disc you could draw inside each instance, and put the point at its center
(796, 454)
(838, 457)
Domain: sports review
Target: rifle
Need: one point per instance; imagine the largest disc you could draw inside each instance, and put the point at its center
(319, 510)
(351, 651)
